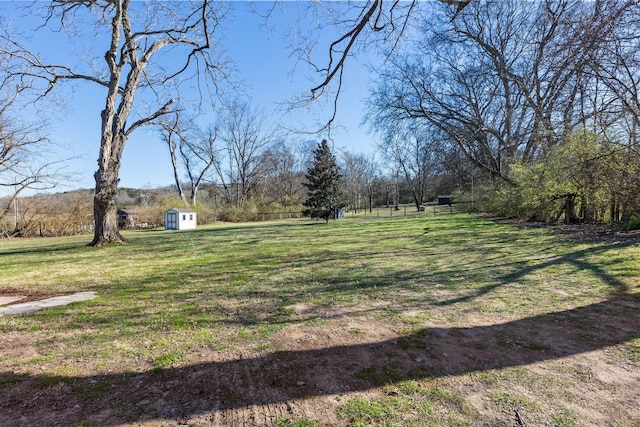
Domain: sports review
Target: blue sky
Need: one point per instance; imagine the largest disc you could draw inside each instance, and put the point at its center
(262, 56)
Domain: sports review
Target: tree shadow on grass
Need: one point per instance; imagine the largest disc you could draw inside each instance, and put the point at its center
(575, 259)
(302, 371)
(55, 247)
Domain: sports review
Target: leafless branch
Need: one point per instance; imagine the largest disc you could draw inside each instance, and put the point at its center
(374, 15)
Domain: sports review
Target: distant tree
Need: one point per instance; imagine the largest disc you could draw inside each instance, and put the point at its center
(323, 182)
(415, 155)
(360, 174)
(284, 173)
(26, 158)
(244, 137)
(196, 150)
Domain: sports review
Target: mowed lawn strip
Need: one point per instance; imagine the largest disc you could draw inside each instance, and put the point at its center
(174, 299)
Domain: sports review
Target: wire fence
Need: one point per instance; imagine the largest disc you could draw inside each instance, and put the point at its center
(383, 211)
(411, 210)
(280, 216)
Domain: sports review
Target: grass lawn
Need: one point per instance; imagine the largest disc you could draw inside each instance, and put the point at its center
(423, 320)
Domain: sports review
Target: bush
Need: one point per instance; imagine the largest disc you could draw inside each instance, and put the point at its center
(631, 222)
(243, 212)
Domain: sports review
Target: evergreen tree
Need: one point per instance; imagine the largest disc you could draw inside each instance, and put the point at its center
(323, 182)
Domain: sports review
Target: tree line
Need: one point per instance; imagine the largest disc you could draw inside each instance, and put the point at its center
(279, 186)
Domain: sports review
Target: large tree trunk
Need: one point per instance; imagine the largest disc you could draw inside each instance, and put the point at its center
(105, 209)
(113, 137)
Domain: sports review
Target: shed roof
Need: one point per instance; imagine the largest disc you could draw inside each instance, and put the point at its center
(182, 210)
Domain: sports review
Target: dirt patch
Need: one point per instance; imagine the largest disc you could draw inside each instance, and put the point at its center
(548, 367)
(578, 232)
(595, 233)
(30, 294)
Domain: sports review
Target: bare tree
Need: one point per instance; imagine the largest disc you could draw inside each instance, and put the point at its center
(504, 82)
(283, 173)
(59, 214)
(414, 152)
(245, 138)
(359, 174)
(150, 48)
(25, 160)
(617, 64)
(197, 152)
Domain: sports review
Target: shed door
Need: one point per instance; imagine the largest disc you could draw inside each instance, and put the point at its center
(172, 221)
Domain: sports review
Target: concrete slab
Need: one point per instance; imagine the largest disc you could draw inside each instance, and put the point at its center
(82, 296)
(30, 307)
(46, 303)
(23, 308)
(9, 300)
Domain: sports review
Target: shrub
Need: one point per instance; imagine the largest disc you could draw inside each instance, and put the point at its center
(242, 212)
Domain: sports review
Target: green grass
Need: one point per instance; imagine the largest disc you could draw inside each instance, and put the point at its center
(378, 377)
(300, 422)
(361, 412)
(167, 298)
(166, 360)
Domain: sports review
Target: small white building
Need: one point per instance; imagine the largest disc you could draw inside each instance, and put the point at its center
(180, 219)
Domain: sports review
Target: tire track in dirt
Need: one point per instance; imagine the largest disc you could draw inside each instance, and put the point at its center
(246, 377)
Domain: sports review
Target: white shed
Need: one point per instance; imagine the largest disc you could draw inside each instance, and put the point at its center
(180, 219)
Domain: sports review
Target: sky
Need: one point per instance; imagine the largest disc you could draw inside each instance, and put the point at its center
(263, 59)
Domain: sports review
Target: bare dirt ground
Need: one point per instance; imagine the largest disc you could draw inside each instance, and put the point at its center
(578, 232)
(318, 368)
(505, 371)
